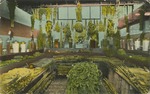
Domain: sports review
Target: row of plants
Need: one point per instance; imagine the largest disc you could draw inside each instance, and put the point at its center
(35, 78)
(17, 79)
(140, 84)
(132, 77)
(137, 60)
(19, 59)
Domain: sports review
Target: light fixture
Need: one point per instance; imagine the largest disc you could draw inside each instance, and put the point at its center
(147, 14)
(137, 14)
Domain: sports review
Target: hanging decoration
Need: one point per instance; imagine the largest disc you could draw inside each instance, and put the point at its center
(79, 12)
(108, 10)
(32, 22)
(110, 28)
(78, 27)
(35, 13)
(55, 13)
(11, 7)
(57, 27)
(48, 13)
(48, 28)
(41, 39)
(67, 32)
(101, 27)
(41, 12)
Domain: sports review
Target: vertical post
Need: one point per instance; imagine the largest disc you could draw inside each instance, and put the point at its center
(1, 46)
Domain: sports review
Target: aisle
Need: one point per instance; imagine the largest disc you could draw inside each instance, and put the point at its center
(58, 86)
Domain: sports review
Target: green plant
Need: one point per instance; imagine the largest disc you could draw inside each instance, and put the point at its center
(78, 27)
(57, 27)
(11, 6)
(32, 22)
(101, 27)
(91, 28)
(78, 12)
(110, 29)
(84, 78)
(41, 39)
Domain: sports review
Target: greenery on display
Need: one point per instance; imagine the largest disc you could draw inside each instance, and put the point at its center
(57, 27)
(15, 80)
(84, 78)
(116, 39)
(48, 13)
(12, 6)
(19, 59)
(101, 26)
(67, 32)
(110, 28)
(32, 22)
(138, 80)
(41, 39)
(78, 27)
(91, 28)
(108, 10)
(78, 12)
(55, 9)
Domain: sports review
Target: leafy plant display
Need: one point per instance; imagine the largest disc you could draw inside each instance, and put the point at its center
(57, 27)
(108, 10)
(101, 27)
(67, 32)
(83, 78)
(91, 28)
(78, 12)
(11, 6)
(32, 22)
(110, 28)
(78, 27)
(41, 39)
(48, 13)
(19, 59)
(48, 27)
(17, 79)
(55, 9)
(116, 39)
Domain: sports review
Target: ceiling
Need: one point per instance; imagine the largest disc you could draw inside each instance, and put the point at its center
(36, 3)
(27, 5)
